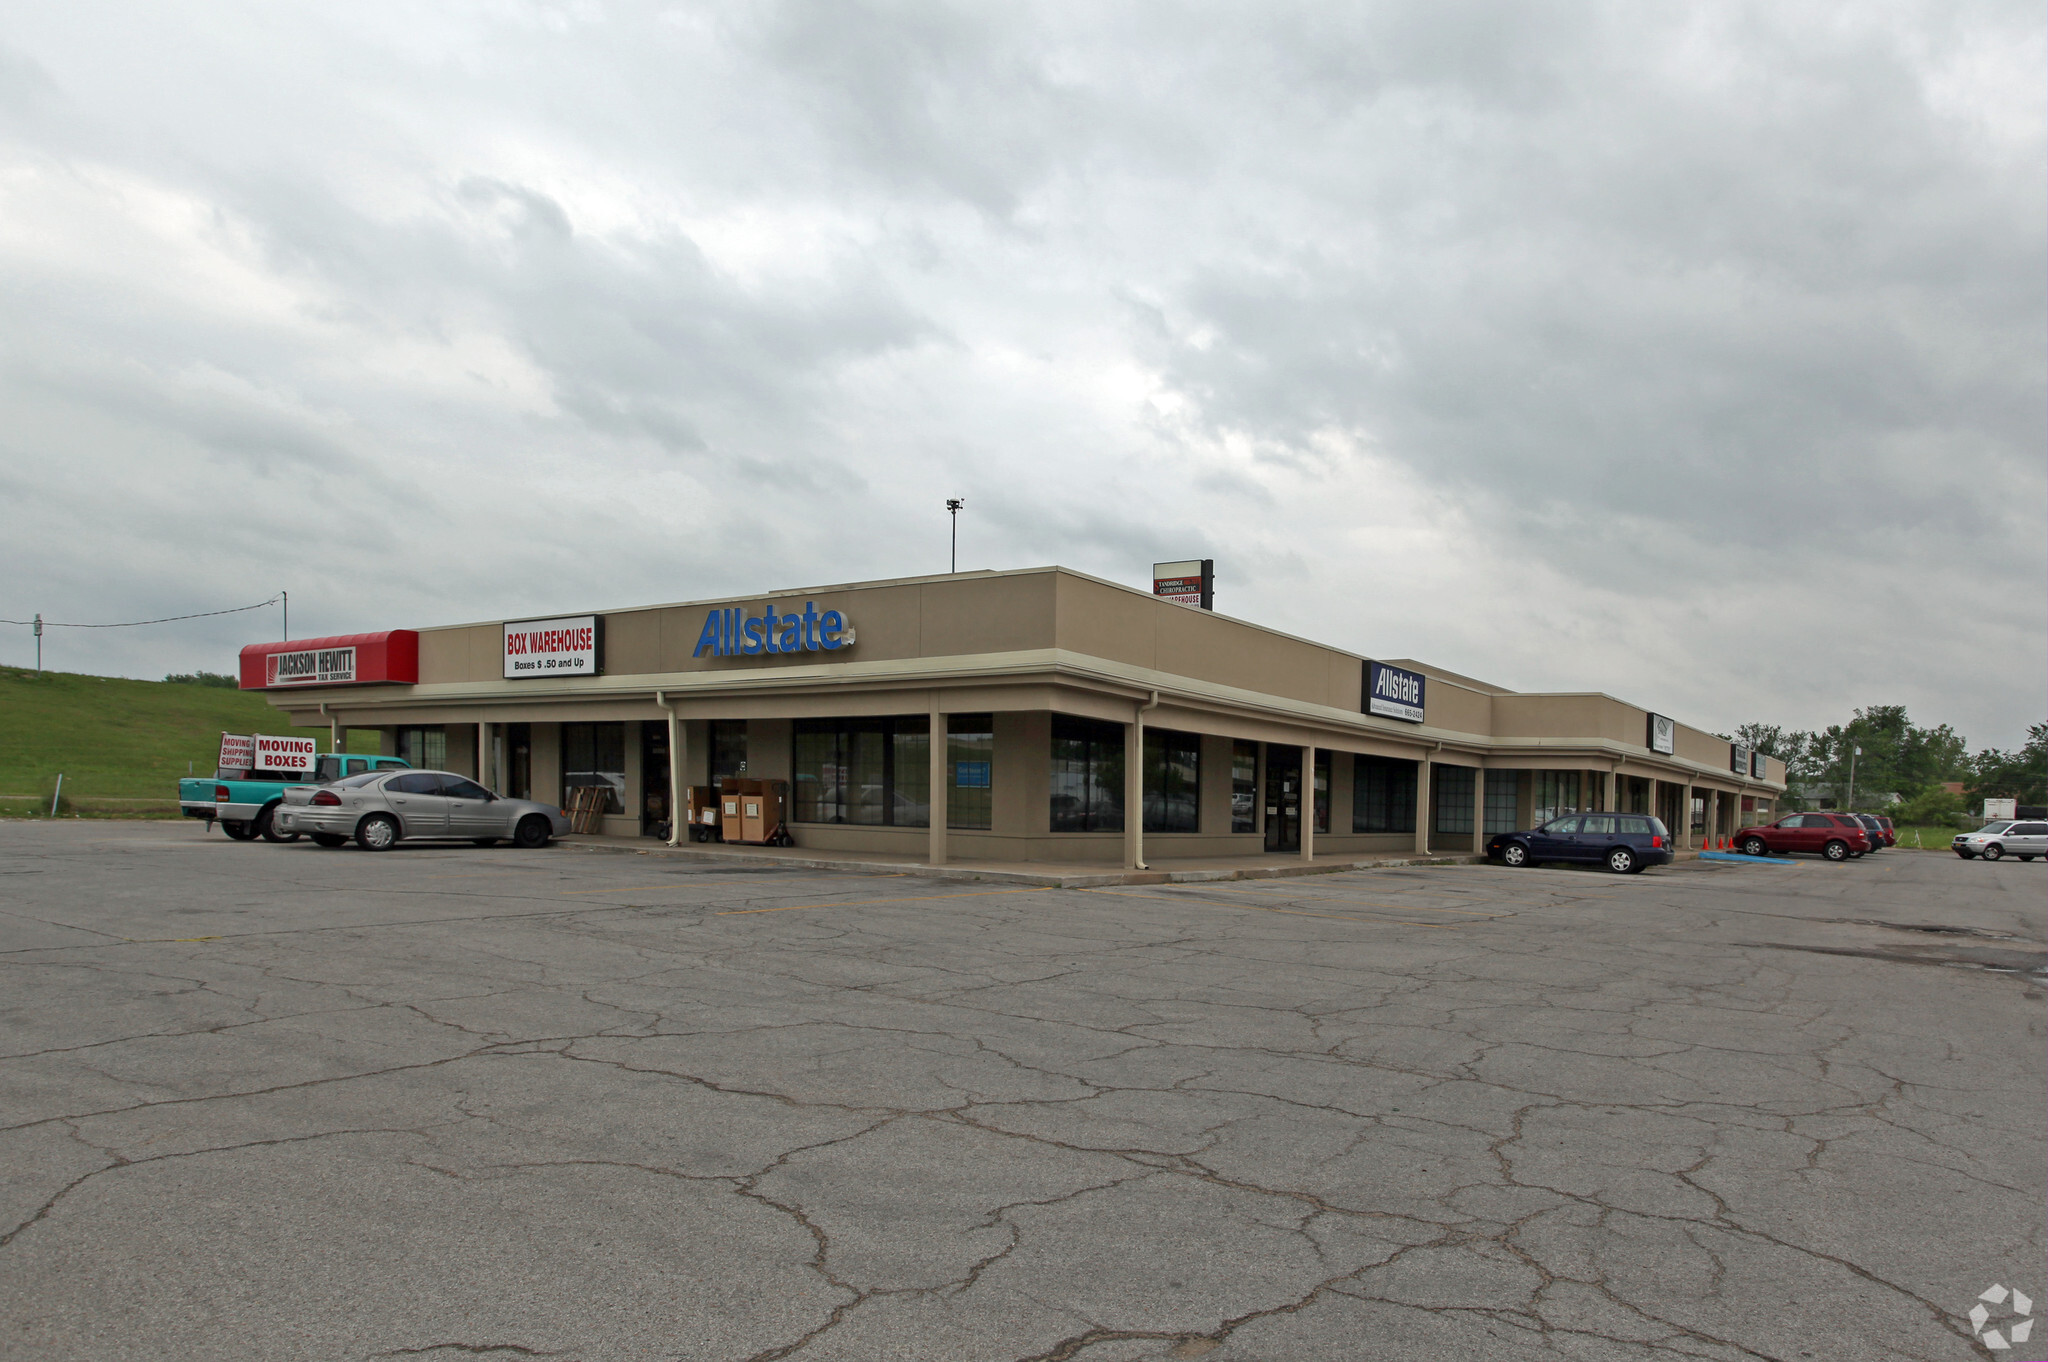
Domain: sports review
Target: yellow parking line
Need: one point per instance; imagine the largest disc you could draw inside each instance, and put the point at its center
(624, 889)
(862, 903)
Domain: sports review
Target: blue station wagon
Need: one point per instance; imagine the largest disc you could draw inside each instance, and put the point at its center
(1623, 842)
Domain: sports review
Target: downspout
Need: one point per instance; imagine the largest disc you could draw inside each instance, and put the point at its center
(675, 771)
(1134, 784)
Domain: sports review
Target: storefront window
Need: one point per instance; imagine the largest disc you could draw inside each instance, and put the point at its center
(1087, 775)
(970, 767)
(1553, 793)
(424, 749)
(1452, 789)
(595, 754)
(728, 748)
(1323, 790)
(1502, 789)
(875, 772)
(1382, 795)
(1173, 781)
(1244, 787)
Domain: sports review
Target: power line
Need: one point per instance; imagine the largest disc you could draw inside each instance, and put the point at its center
(131, 624)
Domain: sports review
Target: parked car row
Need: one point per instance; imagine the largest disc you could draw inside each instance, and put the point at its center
(2025, 839)
(379, 809)
(1627, 842)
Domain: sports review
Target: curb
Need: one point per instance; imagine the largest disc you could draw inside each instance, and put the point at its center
(1086, 879)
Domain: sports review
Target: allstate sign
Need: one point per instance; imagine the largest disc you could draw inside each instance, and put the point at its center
(1393, 693)
(732, 632)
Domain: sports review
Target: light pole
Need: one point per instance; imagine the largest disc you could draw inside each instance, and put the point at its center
(953, 505)
(286, 597)
(39, 642)
(1854, 752)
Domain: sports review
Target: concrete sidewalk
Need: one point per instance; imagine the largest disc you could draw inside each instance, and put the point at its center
(1046, 874)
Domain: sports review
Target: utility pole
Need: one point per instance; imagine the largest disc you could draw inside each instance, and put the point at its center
(1850, 802)
(953, 505)
(39, 642)
(286, 597)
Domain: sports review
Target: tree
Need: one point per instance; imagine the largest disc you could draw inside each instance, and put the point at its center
(2021, 775)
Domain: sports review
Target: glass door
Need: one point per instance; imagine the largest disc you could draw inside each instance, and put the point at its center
(654, 778)
(1283, 798)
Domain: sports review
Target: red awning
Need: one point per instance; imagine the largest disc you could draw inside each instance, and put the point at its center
(392, 657)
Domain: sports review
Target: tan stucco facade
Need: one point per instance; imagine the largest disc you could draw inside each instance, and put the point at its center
(1023, 647)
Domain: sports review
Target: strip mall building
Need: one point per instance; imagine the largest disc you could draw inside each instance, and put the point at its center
(1082, 721)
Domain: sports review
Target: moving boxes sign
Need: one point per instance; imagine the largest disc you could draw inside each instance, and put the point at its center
(570, 646)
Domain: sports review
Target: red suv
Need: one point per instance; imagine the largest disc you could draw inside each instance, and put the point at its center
(1836, 836)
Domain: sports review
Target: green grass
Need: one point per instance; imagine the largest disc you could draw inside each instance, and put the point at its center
(1930, 837)
(120, 740)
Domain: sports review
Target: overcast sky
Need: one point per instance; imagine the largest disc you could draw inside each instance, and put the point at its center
(1693, 353)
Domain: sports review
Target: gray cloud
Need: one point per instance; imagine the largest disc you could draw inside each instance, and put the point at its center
(1561, 345)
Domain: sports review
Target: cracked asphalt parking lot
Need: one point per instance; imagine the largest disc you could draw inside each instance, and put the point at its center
(284, 1103)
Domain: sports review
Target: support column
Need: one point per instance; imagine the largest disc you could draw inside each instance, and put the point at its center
(1479, 812)
(1713, 817)
(1134, 791)
(939, 816)
(1424, 806)
(1308, 801)
(483, 746)
(1685, 815)
(334, 734)
(1607, 803)
(678, 797)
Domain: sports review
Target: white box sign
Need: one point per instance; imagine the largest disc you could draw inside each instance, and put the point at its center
(571, 646)
(1663, 735)
(285, 754)
(237, 752)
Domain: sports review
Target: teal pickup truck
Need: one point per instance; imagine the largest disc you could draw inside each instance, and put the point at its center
(243, 804)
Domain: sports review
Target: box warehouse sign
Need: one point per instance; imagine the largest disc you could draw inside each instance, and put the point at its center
(1393, 693)
(570, 646)
(347, 660)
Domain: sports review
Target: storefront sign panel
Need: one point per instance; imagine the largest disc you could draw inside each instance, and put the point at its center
(1394, 693)
(733, 632)
(1192, 582)
(1738, 759)
(572, 645)
(1663, 735)
(392, 656)
(275, 753)
(311, 667)
(1756, 765)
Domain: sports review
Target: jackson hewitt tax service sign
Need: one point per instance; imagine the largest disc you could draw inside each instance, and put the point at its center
(570, 646)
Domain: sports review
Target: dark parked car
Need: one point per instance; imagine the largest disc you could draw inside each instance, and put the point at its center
(1623, 842)
(1880, 838)
(1837, 836)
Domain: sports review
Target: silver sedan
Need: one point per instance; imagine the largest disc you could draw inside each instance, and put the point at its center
(379, 809)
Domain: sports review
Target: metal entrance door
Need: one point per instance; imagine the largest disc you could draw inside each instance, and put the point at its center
(1283, 798)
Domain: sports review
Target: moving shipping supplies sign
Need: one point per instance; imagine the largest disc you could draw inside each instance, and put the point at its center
(237, 752)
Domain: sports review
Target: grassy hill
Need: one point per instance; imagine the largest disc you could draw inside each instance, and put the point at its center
(120, 740)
